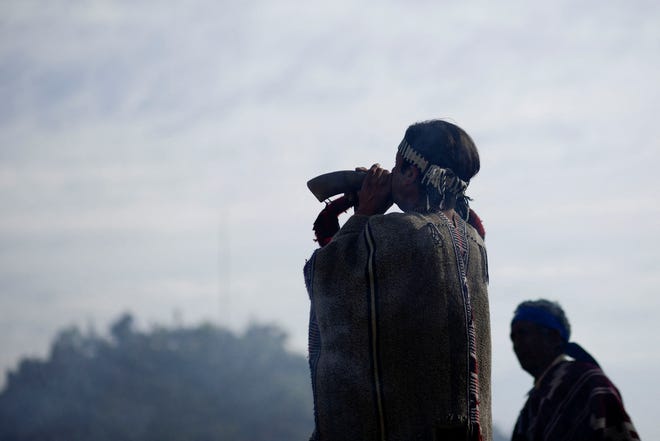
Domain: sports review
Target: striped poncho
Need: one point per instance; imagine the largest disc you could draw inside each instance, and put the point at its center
(399, 331)
(574, 401)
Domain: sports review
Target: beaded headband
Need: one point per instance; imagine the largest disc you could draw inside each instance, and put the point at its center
(444, 180)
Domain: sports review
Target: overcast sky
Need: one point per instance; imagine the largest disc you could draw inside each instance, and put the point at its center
(154, 155)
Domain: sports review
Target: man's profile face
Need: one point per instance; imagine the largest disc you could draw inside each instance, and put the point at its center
(397, 177)
(404, 187)
(535, 346)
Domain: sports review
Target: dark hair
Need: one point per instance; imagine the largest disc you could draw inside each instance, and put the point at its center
(448, 146)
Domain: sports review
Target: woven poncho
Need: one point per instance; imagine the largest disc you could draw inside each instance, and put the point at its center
(574, 401)
(389, 330)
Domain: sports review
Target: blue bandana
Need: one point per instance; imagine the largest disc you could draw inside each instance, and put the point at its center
(541, 317)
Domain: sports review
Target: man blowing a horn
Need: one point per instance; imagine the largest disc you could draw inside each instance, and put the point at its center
(399, 333)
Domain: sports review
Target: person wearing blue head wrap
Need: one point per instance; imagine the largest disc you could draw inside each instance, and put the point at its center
(571, 399)
(549, 315)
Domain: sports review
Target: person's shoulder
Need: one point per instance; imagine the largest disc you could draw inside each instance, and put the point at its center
(584, 367)
(394, 220)
(588, 373)
(393, 227)
(474, 235)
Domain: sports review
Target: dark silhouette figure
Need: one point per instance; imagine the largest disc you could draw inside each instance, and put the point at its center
(572, 400)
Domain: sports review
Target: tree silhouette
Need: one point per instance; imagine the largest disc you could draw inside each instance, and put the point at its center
(201, 383)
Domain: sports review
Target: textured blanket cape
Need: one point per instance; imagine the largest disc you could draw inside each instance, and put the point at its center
(389, 331)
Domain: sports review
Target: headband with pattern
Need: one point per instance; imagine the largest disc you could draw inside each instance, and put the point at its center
(444, 180)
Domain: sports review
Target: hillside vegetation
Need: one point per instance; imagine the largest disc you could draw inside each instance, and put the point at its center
(195, 384)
